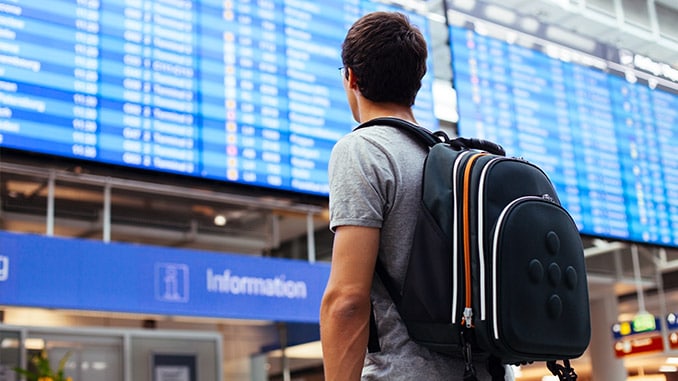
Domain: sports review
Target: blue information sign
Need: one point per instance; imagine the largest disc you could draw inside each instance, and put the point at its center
(39, 271)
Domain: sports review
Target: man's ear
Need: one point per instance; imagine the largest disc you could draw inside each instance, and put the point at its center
(352, 79)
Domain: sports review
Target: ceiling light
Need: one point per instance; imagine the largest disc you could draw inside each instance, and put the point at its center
(312, 350)
(572, 39)
(500, 14)
(34, 343)
(220, 220)
(466, 5)
(9, 343)
(647, 377)
(529, 24)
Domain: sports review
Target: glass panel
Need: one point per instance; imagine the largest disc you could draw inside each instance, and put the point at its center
(605, 6)
(636, 12)
(10, 354)
(666, 17)
(89, 358)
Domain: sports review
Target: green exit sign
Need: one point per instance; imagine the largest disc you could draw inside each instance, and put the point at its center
(644, 322)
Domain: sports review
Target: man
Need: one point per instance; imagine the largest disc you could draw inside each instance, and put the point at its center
(375, 186)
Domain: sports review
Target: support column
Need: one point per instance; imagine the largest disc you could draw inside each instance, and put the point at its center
(51, 185)
(310, 234)
(258, 367)
(604, 364)
(285, 361)
(106, 234)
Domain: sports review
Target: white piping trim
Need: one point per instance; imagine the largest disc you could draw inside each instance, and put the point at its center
(495, 239)
(481, 249)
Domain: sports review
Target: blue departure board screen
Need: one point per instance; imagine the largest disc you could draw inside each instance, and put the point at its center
(607, 140)
(245, 91)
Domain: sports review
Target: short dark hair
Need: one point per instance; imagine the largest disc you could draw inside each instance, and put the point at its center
(387, 55)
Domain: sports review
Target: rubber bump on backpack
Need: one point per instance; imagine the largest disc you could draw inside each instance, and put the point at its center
(554, 307)
(555, 274)
(571, 277)
(535, 271)
(552, 242)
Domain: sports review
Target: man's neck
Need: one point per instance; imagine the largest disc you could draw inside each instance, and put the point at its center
(370, 110)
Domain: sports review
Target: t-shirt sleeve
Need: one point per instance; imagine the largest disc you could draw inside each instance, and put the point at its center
(360, 182)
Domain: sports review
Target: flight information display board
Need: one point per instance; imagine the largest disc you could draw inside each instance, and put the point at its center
(608, 143)
(245, 91)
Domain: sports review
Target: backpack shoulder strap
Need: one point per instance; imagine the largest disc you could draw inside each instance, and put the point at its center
(380, 272)
(419, 133)
(564, 372)
(432, 138)
(373, 345)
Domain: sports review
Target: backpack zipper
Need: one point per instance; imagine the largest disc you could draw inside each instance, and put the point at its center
(455, 236)
(467, 319)
(481, 234)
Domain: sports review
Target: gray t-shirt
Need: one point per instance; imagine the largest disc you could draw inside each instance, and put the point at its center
(375, 181)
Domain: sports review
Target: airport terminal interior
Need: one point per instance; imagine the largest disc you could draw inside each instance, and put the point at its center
(91, 195)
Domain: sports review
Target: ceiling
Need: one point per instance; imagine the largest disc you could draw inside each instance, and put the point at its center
(642, 26)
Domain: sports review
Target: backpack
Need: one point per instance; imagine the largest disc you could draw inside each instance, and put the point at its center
(496, 266)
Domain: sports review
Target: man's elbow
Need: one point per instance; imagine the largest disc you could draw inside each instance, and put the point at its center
(344, 305)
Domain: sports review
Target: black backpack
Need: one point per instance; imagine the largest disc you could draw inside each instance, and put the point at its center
(496, 266)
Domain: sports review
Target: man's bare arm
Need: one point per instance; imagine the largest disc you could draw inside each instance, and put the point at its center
(345, 308)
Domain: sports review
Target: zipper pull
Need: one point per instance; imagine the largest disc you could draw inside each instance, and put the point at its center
(468, 317)
(467, 352)
(548, 197)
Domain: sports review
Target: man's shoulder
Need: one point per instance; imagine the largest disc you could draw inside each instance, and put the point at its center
(388, 137)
